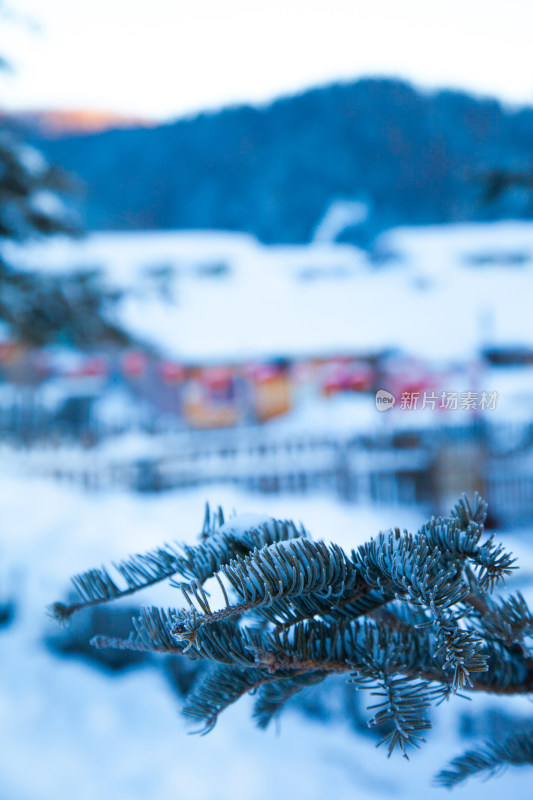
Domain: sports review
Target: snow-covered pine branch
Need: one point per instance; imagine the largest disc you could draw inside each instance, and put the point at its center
(410, 616)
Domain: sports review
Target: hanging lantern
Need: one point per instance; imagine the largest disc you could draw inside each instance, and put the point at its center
(219, 383)
(134, 364)
(171, 372)
(94, 366)
(8, 352)
(361, 377)
(336, 378)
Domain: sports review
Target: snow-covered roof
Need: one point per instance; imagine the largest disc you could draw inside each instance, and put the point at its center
(217, 296)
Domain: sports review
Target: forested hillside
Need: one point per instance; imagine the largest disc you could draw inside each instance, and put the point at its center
(273, 171)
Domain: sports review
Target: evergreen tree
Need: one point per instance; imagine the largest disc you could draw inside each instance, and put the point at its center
(36, 307)
(413, 617)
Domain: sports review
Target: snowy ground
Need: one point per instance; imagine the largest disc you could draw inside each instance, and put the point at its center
(71, 731)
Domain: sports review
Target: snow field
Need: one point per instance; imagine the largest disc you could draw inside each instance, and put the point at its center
(71, 730)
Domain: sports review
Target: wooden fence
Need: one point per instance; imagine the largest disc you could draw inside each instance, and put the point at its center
(429, 467)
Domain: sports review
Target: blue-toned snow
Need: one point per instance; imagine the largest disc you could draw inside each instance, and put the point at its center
(438, 292)
(69, 730)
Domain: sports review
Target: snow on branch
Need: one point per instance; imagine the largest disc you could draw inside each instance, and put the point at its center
(409, 616)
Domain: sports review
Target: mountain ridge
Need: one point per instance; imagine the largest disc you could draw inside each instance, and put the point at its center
(412, 157)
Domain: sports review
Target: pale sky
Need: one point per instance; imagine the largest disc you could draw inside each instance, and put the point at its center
(165, 58)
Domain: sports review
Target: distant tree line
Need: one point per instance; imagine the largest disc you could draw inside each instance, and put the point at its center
(414, 157)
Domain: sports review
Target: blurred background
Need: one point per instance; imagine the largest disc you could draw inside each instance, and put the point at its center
(274, 257)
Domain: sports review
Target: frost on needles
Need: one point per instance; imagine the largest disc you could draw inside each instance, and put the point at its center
(412, 617)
